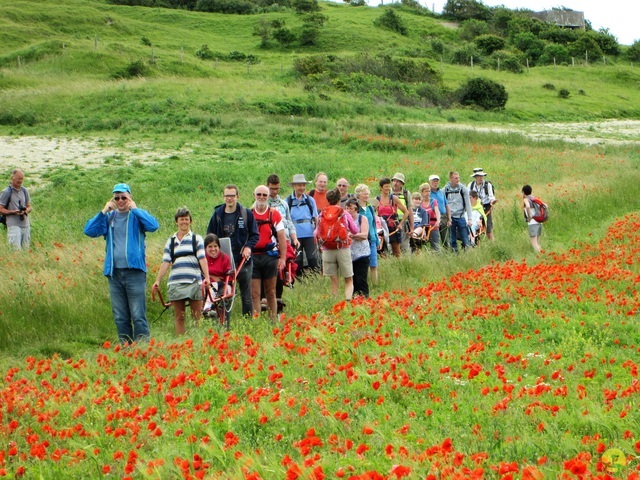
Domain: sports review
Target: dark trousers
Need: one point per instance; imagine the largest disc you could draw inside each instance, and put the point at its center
(360, 272)
(308, 248)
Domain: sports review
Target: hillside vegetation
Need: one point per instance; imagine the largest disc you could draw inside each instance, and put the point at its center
(89, 66)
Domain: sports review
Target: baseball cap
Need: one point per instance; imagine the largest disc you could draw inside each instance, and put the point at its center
(121, 187)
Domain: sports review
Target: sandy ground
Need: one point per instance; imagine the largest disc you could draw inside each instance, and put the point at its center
(37, 155)
(610, 132)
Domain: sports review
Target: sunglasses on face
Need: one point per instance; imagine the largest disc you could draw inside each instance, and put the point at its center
(262, 194)
(117, 198)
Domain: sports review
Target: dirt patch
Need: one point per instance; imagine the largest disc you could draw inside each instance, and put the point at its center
(39, 155)
(610, 132)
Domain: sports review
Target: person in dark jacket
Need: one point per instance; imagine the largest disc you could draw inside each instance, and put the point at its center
(236, 222)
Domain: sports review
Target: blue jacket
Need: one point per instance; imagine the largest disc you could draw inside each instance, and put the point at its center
(243, 235)
(138, 223)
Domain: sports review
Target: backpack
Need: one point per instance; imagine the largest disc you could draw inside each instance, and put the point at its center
(304, 202)
(194, 242)
(389, 213)
(540, 209)
(332, 232)
(473, 186)
(3, 218)
(271, 249)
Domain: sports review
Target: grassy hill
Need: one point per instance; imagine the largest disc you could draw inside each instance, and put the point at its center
(58, 61)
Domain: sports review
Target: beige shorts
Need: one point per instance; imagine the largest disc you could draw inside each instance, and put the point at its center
(334, 260)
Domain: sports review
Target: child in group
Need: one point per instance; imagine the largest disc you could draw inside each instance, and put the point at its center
(219, 266)
(478, 217)
(420, 223)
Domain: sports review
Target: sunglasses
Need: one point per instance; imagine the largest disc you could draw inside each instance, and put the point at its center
(262, 194)
(117, 198)
(342, 185)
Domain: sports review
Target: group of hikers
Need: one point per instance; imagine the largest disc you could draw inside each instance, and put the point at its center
(332, 231)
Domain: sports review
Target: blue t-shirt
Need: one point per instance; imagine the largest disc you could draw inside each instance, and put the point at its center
(120, 240)
(439, 196)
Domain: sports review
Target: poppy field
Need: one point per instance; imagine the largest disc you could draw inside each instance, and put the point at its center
(511, 371)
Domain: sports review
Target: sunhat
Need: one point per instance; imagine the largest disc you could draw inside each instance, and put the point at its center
(298, 178)
(121, 187)
(398, 176)
(434, 177)
(478, 172)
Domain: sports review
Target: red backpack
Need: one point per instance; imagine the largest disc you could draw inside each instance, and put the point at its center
(540, 209)
(332, 232)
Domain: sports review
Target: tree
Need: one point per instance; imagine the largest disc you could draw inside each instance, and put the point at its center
(529, 44)
(465, 9)
(606, 41)
(306, 6)
(633, 52)
(585, 44)
(483, 93)
(263, 30)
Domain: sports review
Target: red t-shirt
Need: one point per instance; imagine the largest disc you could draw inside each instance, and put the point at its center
(219, 266)
(264, 227)
(320, 199)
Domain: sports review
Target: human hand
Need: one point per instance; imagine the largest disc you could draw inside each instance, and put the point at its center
(109, 206)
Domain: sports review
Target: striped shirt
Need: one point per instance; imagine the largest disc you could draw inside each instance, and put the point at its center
(186, 267)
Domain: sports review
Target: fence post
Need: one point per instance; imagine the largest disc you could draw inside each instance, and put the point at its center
(19, 62)
(573, 61)
(498, 63)
(471, 62)
(554, 62)
(586, 57)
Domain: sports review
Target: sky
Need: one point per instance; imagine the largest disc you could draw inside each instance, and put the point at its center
(619, 16)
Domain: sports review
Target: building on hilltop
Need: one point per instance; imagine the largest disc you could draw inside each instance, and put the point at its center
(562, 18)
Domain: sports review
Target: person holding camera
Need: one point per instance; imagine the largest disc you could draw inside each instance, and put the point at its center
(124, 226)
(15, 205)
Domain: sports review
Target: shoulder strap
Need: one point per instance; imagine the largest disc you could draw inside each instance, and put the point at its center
(194, 246)
(10, 193)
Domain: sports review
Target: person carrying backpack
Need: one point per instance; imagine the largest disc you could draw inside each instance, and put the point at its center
(15, 207)
(387, 209)
(457, 196)
(333, 233)
(303, 214)
(486, 196)
(184, 255)
(535, 214)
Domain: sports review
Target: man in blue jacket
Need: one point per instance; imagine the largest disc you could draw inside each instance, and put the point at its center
(238, 223)
(124, 225)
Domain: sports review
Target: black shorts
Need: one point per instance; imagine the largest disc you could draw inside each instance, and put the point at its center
(264, 266)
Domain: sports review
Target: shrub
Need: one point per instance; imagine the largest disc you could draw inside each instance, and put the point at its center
(489, 43)
(391, 21)
(506, 61)
(585, 44)
(242, 7)
(437, 46)
(145, 41)
(472, 28)
(483, 93)
(284, 36)
(463, 55)
(310, 65)
(529, 44)
(549, 86)
(309, 35)
(554, 50)
(204, 53)
(136, 68)
(564, 93)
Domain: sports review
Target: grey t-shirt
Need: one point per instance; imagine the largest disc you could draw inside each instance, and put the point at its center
(19, 198)
(120, 240)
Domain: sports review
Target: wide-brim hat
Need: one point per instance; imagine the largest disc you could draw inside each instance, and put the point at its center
(478, 172)
(298, 178)
(398, 176)
(121, 188)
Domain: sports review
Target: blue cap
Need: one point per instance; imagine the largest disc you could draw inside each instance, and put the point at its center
(121, 187)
